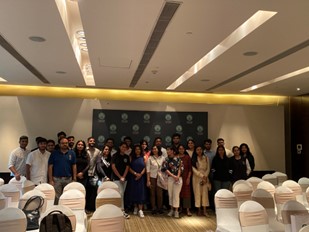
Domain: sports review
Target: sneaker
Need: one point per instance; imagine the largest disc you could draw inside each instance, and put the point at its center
(140, 213)
(160, 211)
(125, 215)
(176, 214)
(135, 211)
(170, 214)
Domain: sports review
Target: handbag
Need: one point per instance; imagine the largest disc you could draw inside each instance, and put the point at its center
(33, 215)
(93, 181)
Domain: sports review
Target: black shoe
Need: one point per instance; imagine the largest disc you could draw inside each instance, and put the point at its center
(160, 211)
(153, 212)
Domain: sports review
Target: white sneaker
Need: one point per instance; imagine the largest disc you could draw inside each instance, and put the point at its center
(125, 215)
(170, 214)
(176, 214)
(141, 213)
(135, 210)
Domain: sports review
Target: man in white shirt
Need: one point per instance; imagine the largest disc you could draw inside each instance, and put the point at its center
(17, 160)
(37, 163)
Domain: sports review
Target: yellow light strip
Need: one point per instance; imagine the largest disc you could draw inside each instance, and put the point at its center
(139, 95)
(255, 21)
(281, 78)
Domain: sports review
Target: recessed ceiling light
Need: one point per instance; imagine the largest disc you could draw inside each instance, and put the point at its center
(205, 80)
(84, 49)
(80, 33)
(189, 33)
(3, 80)
(250, 53)
(61, 72)
(83, 44)
(37, 39)
(82, 38)
(298, 89)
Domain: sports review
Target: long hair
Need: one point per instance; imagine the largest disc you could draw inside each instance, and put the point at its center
(248, 149)
(194, 156)
(83, 152)
(133, 154)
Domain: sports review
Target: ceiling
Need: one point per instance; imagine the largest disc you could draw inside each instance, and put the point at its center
(120, 33)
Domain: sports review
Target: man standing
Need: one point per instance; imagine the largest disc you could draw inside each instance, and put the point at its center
(71, 139)
(18, 157)
(229, 153)
(176, 141)
(61, 167)
(207, 150)
(37, 163)
(110, 142)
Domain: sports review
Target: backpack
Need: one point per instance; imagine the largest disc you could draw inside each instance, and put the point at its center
(33, 215)
(56, 221)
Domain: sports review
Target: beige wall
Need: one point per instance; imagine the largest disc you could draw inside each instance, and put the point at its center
(261, 127)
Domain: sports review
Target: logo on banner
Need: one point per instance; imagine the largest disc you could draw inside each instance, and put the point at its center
(168, 119)
(200, 130)
(113, 129)
(168, 140)
(101, 139)
(146, 118)
(147, 138)
(135, 129)
(179, 129)
(124, 118)
(189, 119)
(157, 129)
(101, 117)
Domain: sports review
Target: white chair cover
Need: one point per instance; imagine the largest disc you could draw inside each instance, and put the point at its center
(265, 198)
(12, 194)
(226, 211)
(24, 198)
(282, 195)
(291, 208)
(108, 196)
(18, 183)
(253, 217)
(281, 177)
(240, 182)
(304, 229)
(297, 190)
(49, 192)
(109, 217)
(75, 200)
(269, 187)
(26, 186)
(242, 193)
(3, 201)
(254, 181)
(75, 185)
(304, 184)
(1, 181)
(270, 178)
(108, 184)
(12, 220)
(65, 210)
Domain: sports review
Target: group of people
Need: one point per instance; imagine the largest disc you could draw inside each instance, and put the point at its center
(175, 178)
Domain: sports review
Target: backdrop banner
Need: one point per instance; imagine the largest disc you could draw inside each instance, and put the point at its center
(148, 125)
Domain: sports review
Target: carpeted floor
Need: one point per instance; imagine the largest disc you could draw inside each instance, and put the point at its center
(163, 223)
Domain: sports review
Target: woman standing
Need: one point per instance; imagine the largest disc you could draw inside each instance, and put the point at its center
(201, 168)
(103, 164)
(245, 153)
(82, 162)
(190, 147)
(145, 149)
(154, 163)
(173, 167)
(239, 165)
(136, 181)
(185, 193)
(221, 169)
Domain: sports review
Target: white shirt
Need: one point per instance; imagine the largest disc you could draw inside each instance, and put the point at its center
(18, 159)
(39, 166)
(153, 164)
(229, 153)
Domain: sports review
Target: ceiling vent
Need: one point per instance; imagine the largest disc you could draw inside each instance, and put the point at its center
(166, 16)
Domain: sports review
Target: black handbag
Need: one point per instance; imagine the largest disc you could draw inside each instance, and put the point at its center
(33, 215)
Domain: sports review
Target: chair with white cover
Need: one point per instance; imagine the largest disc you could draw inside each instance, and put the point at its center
(269, 187)
(75, 185)
(242, 193)
(270, 178)
(226, 211)
(3, 201)
(108, 196)
(26, 186)
(240, 182)
(254, 181)
(13, 220)
(75, 200)
(253, 217)
(297, 190)
(24, 198)
(265, 198)
(1, 181)
(65, 210)
(282, 195)
(281, 177)
(109, 217)
(304, 229)
(12, 193)
(304, 184)
(108, 184)
(49, 192)
(18, 183)
(292, 208)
